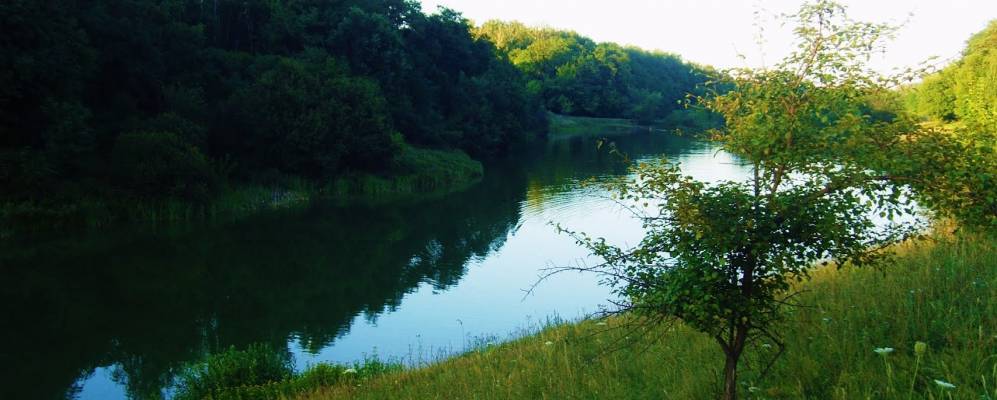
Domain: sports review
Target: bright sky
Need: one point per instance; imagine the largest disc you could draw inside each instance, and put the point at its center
(714, 32)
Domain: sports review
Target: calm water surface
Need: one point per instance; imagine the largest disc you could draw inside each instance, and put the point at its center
(114, 315)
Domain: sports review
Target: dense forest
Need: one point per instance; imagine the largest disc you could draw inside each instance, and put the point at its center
(142, 101)
(966, 90)
(960, 101)
(576, 76)
(155, 99)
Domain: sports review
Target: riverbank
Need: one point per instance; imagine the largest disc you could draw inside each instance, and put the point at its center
(685, 121)
(939, 291)
(416, 173)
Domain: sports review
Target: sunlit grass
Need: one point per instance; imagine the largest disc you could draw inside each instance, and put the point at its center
(936, 308)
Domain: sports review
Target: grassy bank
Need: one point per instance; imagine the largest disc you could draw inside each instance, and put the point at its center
(679, 121)
(941, 291)
(566, 126)
(415, 173)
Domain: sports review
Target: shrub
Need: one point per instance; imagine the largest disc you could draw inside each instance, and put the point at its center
(161, 165)
(220, 373)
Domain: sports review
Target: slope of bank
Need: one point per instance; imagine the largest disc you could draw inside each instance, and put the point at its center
(939, 291)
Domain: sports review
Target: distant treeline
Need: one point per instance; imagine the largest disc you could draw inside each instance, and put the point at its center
(966, 90)
(576, 76)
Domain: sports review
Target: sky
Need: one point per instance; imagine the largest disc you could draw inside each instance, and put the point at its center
(715, 32)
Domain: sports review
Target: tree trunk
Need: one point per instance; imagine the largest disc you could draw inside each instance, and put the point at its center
(730, 377)
(733, 353)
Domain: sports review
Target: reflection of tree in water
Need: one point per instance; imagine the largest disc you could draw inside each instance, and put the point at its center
(147, 304)
(566, 161)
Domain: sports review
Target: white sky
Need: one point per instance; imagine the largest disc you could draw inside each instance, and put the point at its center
(714, 32)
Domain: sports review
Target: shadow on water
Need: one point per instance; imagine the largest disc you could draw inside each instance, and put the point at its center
(146, 303)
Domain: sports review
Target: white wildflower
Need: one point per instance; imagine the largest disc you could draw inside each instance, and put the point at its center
(350, 371)
(944, 385)
(883, 350)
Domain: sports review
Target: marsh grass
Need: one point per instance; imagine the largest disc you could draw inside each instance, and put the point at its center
(941, 291)
(683, 122)
(262, 372)
(566, 126)
(415, 174)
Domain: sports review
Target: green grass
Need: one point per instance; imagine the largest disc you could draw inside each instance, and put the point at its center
(416, 173)
(679, 121)
(941, 291)
(261, 372)
(99, 211)
(566, 126)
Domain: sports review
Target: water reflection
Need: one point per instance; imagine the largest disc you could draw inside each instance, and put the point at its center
(114, 315)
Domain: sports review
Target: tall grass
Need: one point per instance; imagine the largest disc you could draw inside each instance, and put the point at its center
(262, 372)
(567, 126)
(415, 173)
(941, 292)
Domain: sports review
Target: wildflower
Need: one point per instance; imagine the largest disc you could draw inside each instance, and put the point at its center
(548, 343)
(920, 348)
(350, 371)
(883, 350)
(944, 385)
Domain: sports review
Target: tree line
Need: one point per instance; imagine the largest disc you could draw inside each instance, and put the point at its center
(170, 98)
(960, 103)
(574, 75)
(966, 90)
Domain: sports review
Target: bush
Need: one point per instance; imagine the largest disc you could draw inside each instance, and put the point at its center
(220, 373)
(309, 118)
(161, 165)
(262, 372)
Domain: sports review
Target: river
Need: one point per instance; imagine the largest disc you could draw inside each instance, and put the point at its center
(114, 315)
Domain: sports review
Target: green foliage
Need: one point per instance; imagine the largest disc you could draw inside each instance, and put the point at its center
(934, 97)
(975, 82)
(310, 119)
(721, 257)
(161, 165)
(955, 170)
(301, 88)
(964, 90)
(261, 372)
(953, 174)
(414, 171)
(255, 366)
(576, 76)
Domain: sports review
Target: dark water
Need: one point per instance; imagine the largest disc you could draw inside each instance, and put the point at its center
(114, 315)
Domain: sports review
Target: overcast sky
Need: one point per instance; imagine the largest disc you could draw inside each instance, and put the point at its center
(714, 32)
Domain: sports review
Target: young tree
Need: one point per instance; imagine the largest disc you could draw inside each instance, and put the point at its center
(722, 257)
